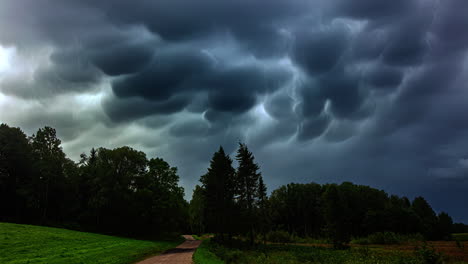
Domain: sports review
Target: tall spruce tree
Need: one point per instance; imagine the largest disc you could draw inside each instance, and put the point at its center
(218, 184)
(263, 209)
(247, 189)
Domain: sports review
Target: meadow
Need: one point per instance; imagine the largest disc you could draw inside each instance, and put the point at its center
(422, 253)
(460, 236)
(37, 244)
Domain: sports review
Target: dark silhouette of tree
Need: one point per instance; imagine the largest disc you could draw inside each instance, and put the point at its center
(52, 181)
(336, 215)
(16, 174)
(247, 189)
(219, 187)
(427, 217)
(119, 191)
(263, 209)
(197, 210)
(163, 196)
(296, 208)
(444, 226)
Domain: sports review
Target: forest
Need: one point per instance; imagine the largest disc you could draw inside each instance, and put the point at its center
(123, 192)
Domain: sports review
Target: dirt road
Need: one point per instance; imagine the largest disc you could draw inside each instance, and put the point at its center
(179, 255)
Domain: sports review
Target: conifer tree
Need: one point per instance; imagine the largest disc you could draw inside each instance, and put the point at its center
(247, 189)
(263, 208)
(219, 193)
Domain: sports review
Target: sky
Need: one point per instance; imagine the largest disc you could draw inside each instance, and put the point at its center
(368, 91)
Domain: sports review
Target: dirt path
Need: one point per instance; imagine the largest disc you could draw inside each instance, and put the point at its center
(179, 255)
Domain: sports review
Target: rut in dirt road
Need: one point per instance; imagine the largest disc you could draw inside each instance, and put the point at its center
(179, 255)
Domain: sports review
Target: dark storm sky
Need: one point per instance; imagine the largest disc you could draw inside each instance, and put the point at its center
(373, 92)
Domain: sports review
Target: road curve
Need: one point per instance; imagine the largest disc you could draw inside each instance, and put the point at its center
(182, 254)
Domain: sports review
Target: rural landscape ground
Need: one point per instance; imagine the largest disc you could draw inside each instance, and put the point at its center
(34, 244)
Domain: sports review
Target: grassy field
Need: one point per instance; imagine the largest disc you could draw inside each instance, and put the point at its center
(306, 254)
(460, 236)
(37, 244)
(203, 255)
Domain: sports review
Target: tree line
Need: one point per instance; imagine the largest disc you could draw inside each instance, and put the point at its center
(115, 191)
(234, 202)
(120, 191)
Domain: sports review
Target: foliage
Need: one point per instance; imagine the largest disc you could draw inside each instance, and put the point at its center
(114, 191)
(279, 236)
(37, 244)
(460, 236)
(250, 193)
(196, 211)
(292, 254)
(387, 238)
(218, 189)
(459, 228)
(203, 255)
(311, 211)
(428, 255)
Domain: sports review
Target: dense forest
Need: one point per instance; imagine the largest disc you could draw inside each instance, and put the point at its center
(116, 191)
(120, 191)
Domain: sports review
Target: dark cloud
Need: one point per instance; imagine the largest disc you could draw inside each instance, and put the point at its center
(317, 52)
(130, 109)
(408, 42)
(369, 43)
(382, 77)
(449, 26)
(190, 128)
(118, 59)
(314, 127)
(168, 74)
(374, 9)
(280, 106)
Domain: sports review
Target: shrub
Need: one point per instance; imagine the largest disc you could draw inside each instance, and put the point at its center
(428, 255)
(387, 238)
(279, 236)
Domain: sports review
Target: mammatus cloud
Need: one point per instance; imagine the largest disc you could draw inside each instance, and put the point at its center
(367, 91)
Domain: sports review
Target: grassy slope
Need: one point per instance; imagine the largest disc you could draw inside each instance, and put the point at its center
(37, 244)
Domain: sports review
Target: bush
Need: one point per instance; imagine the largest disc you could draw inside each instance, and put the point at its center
(387, 238)
(428, 255)
(279, 236)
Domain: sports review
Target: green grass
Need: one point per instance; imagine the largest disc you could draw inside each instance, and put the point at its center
(203, 255)
(295, 254)
(36, 244)
(460, 236)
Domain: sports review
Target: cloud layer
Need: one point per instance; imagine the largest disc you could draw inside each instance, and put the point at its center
(367, 91)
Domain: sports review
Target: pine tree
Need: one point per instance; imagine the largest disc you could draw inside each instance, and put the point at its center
(219, 194)
(247, 189)
(263, 208)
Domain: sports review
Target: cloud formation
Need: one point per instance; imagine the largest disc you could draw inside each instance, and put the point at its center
(370, 91)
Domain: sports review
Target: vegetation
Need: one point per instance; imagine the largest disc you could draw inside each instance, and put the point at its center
(460, 236)
(203, 255)
(116, 191)
(388, 238)
(120, 191)
(36, 244)
(234, 202)
(292, 254)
